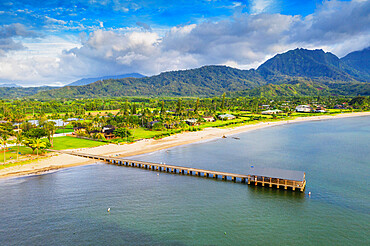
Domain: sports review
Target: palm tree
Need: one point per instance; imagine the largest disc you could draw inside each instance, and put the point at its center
(38, 144)
(64, 119)
(4, 141)
(19, 139)
(18, 116)
(50, 129)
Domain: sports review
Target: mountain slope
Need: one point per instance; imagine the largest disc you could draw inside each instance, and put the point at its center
(360, 62)
(313, 69)
(301, 87)
(313, 64)
(298, 87)
(9, 85)
(204, 81)
(86, 81)
(19, 92)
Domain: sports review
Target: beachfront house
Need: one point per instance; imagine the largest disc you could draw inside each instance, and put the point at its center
(151, 123)
(226, 117)
(209, 118)
(108, 131)
(303, 109)
(273, 111)
(320, 109)
(191, 122)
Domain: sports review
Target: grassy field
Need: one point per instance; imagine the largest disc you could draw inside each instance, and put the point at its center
(66, 130)
(11, 152)
(74, 143)
(139, 133)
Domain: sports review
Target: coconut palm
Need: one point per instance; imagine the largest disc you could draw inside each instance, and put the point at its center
(18, 116)
(50, 128)
(4, 141)
(38, 144)
(18, 141)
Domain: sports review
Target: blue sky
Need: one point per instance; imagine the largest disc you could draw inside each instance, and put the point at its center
(118, 14)
(55, 42)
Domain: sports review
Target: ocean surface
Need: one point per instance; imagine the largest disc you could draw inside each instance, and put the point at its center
(69, 207)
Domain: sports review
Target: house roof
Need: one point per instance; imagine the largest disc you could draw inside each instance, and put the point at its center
(226, 115)
(109, 126)
(272, 111)
(191, 120)
(277, 173)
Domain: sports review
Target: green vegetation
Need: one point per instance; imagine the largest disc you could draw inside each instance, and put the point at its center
(61, 143)
(11, 152)
(19, 92)
(66, 130)
(119, 120)
(313, 69)
(130, 109)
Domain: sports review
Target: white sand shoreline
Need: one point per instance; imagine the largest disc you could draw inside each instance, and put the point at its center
(151, 145)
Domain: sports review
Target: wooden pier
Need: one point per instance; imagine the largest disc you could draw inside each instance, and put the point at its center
(277, 178)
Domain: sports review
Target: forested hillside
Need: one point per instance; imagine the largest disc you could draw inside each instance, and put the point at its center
(297, 72)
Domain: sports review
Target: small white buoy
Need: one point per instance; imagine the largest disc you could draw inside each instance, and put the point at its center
(157, 174)
(108, 209)
(309, 193)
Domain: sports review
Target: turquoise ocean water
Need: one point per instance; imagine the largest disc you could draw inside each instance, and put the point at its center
(69, 207)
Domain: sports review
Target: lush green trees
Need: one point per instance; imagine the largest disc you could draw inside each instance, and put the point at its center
(158, 126)
(18, 141)
(50, 131)
(38, 144)
(223, 102)
(35, 133)
(122, 132)
(4, 142)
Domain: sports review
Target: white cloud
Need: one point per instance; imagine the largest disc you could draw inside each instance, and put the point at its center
(55, 21)
(260, 6)
(245, 41)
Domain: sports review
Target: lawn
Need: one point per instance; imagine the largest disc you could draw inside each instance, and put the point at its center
(11, 152)
(74, 143)
(139, 133)
(66, 130)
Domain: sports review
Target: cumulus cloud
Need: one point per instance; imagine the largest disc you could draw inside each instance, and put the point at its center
(16, 30)
(243, 41)
(9, 32)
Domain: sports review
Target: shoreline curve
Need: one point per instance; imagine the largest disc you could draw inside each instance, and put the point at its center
(146, 146)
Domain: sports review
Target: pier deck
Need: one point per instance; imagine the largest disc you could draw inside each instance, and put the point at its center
(257, 176)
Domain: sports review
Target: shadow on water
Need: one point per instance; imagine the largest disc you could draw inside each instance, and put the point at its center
(260, 192)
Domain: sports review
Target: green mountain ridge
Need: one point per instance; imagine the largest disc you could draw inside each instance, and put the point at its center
(204, 81)
(20, 92)
(313, 69)
(303, 87)
(359, 62)
(314, 64)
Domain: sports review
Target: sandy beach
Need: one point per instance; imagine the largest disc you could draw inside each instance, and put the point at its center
(149, 145)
